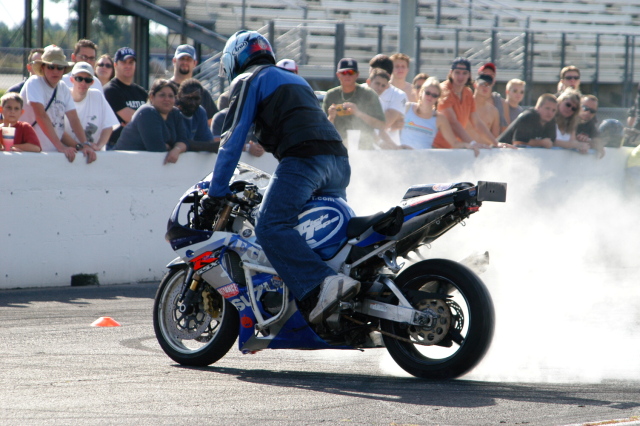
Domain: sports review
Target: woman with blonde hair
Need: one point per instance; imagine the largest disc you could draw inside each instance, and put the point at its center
(422, 121)
(567, 119)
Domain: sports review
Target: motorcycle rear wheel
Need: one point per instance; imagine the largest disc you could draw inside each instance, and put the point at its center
(470, 330)
(196, 340)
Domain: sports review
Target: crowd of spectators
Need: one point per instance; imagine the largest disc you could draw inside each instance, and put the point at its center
(92, 104)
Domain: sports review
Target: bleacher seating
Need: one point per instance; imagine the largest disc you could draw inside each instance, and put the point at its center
(468, 30)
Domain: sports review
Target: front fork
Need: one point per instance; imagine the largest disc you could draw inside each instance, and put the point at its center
(189, 293)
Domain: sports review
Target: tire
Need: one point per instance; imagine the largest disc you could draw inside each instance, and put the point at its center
(469, 330)
(209, 335)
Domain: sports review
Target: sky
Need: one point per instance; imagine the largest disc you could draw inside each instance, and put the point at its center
(12, 15)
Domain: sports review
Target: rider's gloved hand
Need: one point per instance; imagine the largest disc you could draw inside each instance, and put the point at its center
(210, 206)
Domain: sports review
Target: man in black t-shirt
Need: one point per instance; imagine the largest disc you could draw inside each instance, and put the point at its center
(535, 126)
(123, 95)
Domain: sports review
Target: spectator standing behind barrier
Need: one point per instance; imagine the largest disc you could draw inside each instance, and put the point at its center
(95, 114)
(401, 64)
(422, 121)
(485, 108)
(417, 83)
(567, 119)
(351, 106)
(458, 106)
(46, 102)
(157, 126)
(587, 129)
(392, 99)
(84, 51)
(515, 94)
(569, 77)
(490, 70)
(104, 69)
(184, 62)
(34, 55)
(194, 116)
(218, 128)
(535, 127)
(124, 96)
(24, 137)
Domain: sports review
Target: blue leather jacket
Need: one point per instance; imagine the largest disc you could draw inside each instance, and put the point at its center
(286, 113)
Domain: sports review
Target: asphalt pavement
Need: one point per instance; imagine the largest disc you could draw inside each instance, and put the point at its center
(57, 369)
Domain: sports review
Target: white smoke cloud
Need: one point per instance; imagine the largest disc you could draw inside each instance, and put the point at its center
(564, 258)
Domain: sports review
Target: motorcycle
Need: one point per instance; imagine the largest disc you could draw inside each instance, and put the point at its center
(435, 317)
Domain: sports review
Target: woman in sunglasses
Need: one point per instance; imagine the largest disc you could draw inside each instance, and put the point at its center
(567, 119)
(422, 122)
(104, 69)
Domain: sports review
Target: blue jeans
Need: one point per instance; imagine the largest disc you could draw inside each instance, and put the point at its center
(292, 185)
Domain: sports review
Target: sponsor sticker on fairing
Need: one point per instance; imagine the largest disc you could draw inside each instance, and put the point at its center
(228, 291)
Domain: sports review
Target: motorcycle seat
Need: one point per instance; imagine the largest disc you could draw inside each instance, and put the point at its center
(386, 223)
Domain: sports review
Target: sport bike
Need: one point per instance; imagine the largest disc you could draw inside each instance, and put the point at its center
(435, 316)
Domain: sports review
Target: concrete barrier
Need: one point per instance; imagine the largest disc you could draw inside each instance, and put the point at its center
(108, 218)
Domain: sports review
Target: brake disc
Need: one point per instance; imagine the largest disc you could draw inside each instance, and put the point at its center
(438, 328)
(186, 326)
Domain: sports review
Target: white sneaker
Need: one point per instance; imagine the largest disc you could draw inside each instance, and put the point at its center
(333, 290)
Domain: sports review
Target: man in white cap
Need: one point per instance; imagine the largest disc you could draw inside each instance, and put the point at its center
(123, 95)
(46, 102)
(184, 62)
(288, 64)
(95, 114)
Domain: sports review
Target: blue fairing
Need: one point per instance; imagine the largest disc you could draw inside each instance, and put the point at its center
(323, 224)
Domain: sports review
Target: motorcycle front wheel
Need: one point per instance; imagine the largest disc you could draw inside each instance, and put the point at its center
(200, 336)
(465, 327)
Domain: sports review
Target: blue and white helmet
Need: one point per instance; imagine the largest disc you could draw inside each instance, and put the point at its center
(242, 48)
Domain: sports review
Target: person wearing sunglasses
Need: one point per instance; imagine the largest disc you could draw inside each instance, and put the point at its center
(352, 106)
(569, 77)
(104, 69)
(485, 108)
(535, 127)
(94, 112)
(422, 121)
(457, 104)
(567, 119)
(47, 100)
(587, 129)
(84, 51)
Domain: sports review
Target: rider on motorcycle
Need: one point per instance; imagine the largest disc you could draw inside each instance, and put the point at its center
(290, 124)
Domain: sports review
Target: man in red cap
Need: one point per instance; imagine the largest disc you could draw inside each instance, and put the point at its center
(489, 69)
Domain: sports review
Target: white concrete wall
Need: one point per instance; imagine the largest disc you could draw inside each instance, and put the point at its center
(59, 219)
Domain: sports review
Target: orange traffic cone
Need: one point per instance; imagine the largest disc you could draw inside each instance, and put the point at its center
(105, 322)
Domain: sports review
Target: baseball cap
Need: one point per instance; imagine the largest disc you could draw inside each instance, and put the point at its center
(461, 63)
(124, 53)
(347, 64)
(288, 64)
(489, 65)
(185, 49)
(82, 67)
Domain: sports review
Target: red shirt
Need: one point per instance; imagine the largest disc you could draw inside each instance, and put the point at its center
(24, 134)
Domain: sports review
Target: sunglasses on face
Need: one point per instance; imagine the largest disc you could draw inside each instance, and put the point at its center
(86, 58)
(572, 77)
(348, 72)
(433, 95)
(55, 67)
(591, 110)
(88, 80)
(105, 64)
(571, 106)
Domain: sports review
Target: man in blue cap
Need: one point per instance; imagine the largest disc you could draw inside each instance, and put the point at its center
(123, 95)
